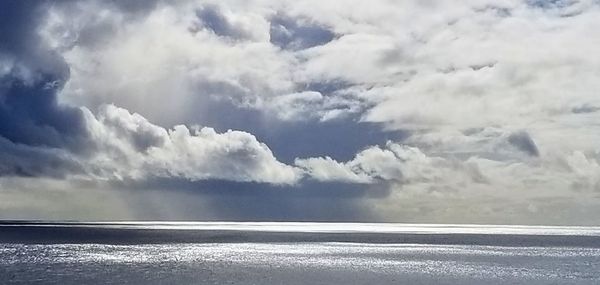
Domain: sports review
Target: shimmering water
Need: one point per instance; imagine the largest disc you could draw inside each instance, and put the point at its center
(297, 263)
(304, 263)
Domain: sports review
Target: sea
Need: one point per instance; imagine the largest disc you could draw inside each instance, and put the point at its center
(295, 253)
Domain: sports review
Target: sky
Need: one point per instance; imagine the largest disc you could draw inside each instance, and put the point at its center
(416, 111)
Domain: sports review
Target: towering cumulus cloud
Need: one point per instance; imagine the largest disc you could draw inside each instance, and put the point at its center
(429, 111)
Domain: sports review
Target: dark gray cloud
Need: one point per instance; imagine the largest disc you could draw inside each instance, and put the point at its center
(213, 19)
(549, 4)
(30, 114)
(295, 33)
(227, 200)
(326, 87)
(20, 43)
(134, 6)
(586, 108)
(28, 161)
(16, 22)
(561, 8)
(33, 125)
(523, 142)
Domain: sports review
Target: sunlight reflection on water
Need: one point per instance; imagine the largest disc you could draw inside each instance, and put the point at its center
(297, 263)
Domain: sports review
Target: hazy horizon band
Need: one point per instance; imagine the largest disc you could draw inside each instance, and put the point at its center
(272, 232)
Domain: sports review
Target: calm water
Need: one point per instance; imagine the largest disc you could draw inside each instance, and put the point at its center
(304, 262)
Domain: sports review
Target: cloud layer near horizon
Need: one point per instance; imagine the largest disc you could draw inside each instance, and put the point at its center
(484, 105)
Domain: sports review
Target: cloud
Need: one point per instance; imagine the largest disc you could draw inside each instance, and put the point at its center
(398, 71)
(393, 163)
(202, 54)
(130, 147)
(120, 145)
(505, 79)
(31, 115)
(545, 192)
(212, 18)
(42, 137)
(481, 102)
(327, 169)
(37, 134)
(30, 78)
(522, 141)
(447, 187)
(33, 161)
(313, 105)
(434, 158)
(295, 34)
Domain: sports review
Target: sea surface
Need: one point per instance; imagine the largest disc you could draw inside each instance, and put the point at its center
(296, 253)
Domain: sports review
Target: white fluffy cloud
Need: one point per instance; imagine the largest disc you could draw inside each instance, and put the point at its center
(411, 167)
(394, 163)
(130, 147)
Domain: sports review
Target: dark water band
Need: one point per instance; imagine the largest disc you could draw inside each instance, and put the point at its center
(48, 234)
